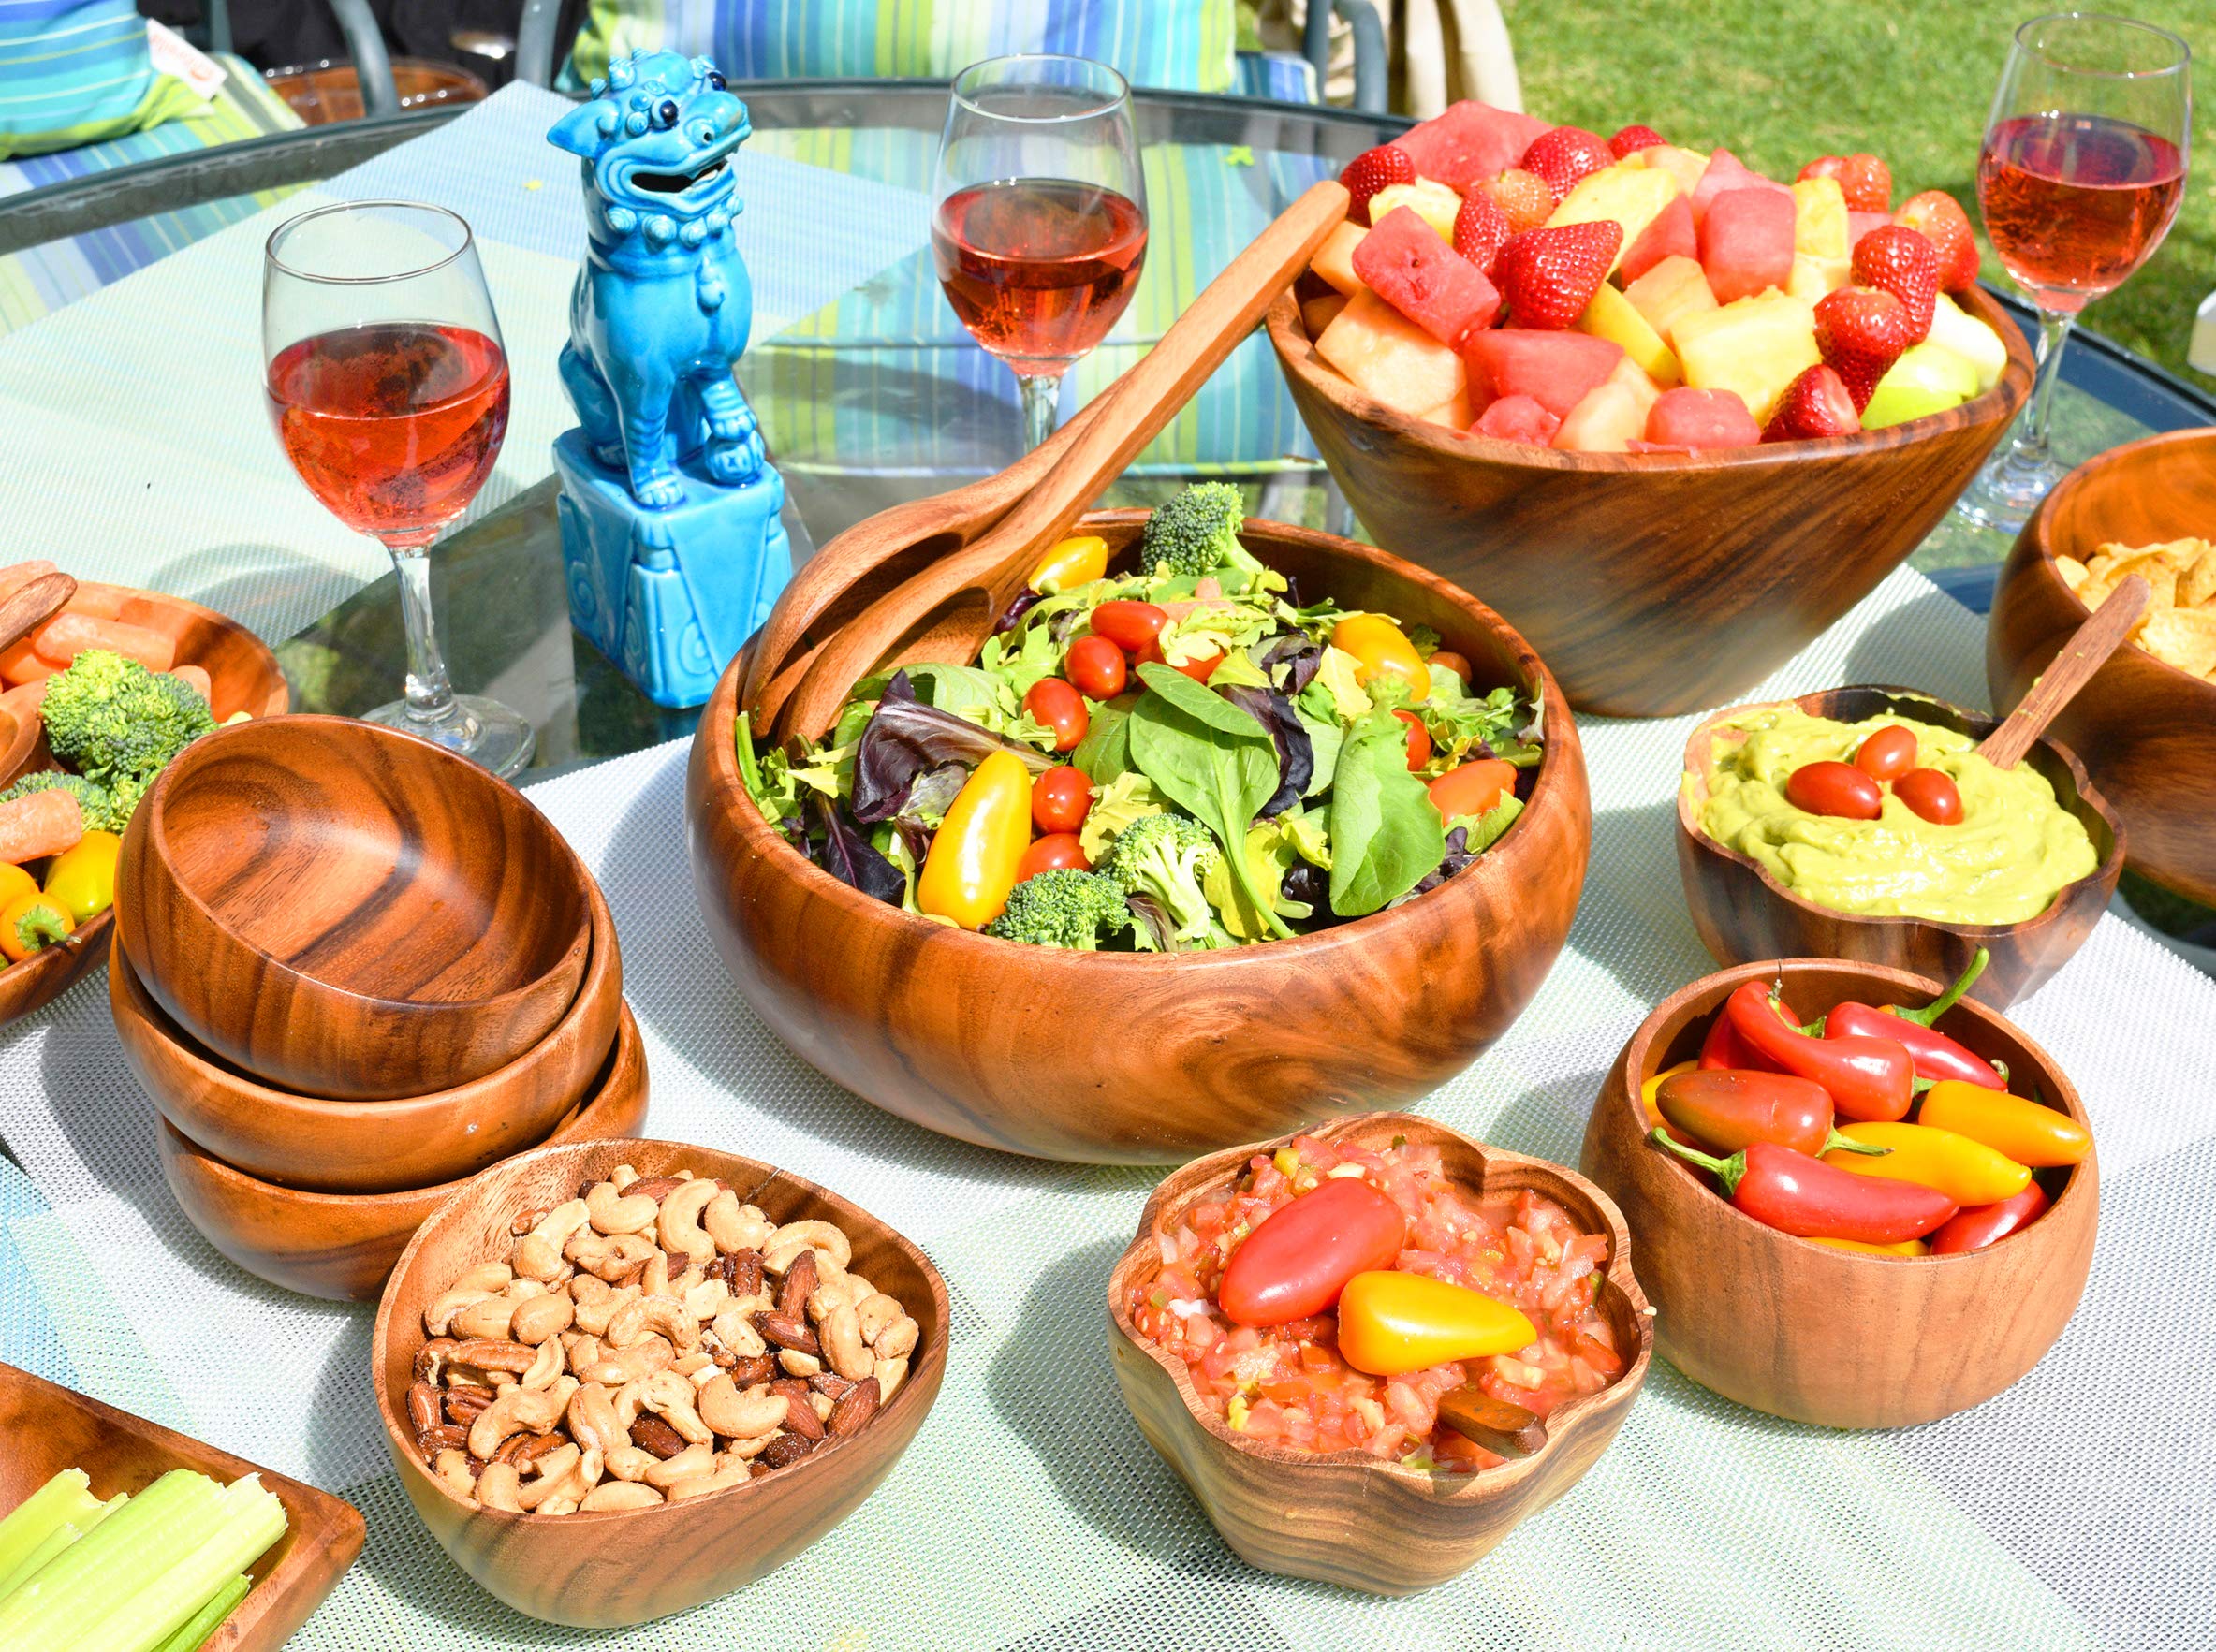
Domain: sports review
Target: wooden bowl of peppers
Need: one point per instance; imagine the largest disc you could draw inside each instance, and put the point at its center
(1862, 1200)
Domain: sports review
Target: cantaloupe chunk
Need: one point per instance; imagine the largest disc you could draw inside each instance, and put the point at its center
(1455, 414)
(1612, 315)
(1755, 346)
(1683, 165)
(1334, 259)
(1605, 421)
(1633, 196)
(1644, 390)
(1432, 200)
(1673, 290)
(1391, 358)
(1819, 218)
(1320, 311)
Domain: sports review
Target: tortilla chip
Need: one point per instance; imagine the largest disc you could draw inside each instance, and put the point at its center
(2183, 637)
(2196, 585)
(2074, 572)
(2161, 580)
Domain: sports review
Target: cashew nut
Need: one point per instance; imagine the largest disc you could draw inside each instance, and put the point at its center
(546, 1367)
(583, 1351)
(611, 1257)
(734, 1329)
(488, 1317)
(896, 1340)
(610, 1212)
(701, 1484)
(594, 1311)
(739, 1416)
(876, 1311)
(498, 1488)
(553, 1471)
(643, 1316)
(635, 1364)
(438, 1319)
(620, 1494)
(486, 1277)
(795, 1364)
(592, 1417)
(558, 1224)
(679, 1222)
(694, 1460)
(703, 1301)
(842, 1338)
(656, 1280)
(734, 1227)
(518, 1410)
(538, 1320)
(890, 1374)
(630, 1462)
(669, 1396)
(452, 1468)
(623, 1175)
(696, 1368)
(788, 1241)
(744, 1449)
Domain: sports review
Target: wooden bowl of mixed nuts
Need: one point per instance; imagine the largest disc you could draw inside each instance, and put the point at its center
(621, 1378)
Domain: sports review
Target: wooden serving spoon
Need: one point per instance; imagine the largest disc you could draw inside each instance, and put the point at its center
(1503, 1428)
(946, 611)
(30, 606)
(2085, 654)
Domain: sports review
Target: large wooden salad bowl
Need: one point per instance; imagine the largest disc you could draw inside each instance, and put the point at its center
(1797, 1329)
(2145, 730)
(1743, 913)
(1348, 1518)
(1652, 583)
(1147, 1059)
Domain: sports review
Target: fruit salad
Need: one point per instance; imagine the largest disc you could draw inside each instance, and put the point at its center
(1547, 285)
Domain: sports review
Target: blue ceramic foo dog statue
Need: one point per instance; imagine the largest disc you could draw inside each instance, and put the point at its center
(671, 534)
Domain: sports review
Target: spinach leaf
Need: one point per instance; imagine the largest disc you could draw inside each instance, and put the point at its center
(1324, 737)
(1385, 833)
(1296, 752)
(1212, 760)
(1105, 752)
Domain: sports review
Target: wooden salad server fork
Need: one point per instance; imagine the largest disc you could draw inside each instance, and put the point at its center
(1502, 1427)
(29, 606)
(2085, 654)
(948, 609)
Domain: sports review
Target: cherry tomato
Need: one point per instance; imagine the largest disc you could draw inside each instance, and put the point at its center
(1057, 705)
(1446, 659)
(1473, 787)
(1378, 646)
(1203, 668)
(1295, 1263)
(1130, 625)
(1931, 793)
(1095, 664)
(1888, 754)
(1838, 789)
(1419, 740)
(1147, 653)
(1061, 799)
(1053, 852)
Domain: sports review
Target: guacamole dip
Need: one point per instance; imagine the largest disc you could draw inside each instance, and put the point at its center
(2014, 848)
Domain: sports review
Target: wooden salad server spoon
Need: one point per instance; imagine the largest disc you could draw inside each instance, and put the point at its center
(946, 610)
(1502, 1427)
(30, 606)
(2085, 654)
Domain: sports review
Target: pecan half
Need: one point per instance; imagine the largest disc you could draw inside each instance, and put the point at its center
(524, 1222)
(788, 1331)
(521, 1450)
(446, 1435)
(492, 1354)
(432, 1357)
(649, 1433)
(854, 1407)
(463, 1404)
(423, 1410)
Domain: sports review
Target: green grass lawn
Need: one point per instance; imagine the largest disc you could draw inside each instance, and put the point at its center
(1781, 81)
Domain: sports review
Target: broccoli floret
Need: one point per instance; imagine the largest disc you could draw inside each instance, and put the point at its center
(92, 801)
(1064, 908)
(123, 799)
(1196, 533)
(111, 719)
(1166, 856)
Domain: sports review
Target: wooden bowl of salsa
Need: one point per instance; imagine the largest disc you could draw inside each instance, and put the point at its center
(1347, 1478)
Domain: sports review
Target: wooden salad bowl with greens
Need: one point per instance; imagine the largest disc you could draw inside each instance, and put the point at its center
(1146, 1058)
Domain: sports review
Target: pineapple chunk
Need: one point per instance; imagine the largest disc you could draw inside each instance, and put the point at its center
(1820, 218)
(1631, 196)
(1334, 259)
(1455, 414)
(1391, 358)
(1430, 200)
(1814, 276)
(1755, 346)
(1613, 316)
(1683, 165)
(1673, 290)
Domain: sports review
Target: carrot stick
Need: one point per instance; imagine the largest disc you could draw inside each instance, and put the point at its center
(102, 602)
(22, 703)
(21, 664)
(172, 619)
(16, 575)
(44, 823)
(62, 638)
(190, 675)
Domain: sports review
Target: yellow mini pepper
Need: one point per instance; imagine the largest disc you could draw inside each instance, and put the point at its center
(1391, 1322)
(82, 877)
(1904, 1247)
(1382, 647)
(2025, 1131)
(15, 882)
(30, 922)
(1969, 1172)
(1070, 562)
(1649, 1092)
(972, 864)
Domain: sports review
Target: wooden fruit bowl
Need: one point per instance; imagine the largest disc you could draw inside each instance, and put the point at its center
(242, 676)
(342, 1246)
(48, 1428)
(1743, 913)
(344, 910)
(1796, 1329)
(1348, 1518)
(613, 1567)
(2145, 730)
(372, 1147)
(1145, 1059)
(1652, 583)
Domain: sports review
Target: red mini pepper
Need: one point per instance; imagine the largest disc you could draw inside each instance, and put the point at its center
(1725, 1111)
(1724, 1050)
(1869, 1078)
(1299, 1256)
(1813, 1200)
(1984, 1224)
(1934, 1055)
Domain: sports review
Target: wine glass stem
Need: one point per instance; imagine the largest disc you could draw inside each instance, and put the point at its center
(1042, 395)
(431, 696)
(2054, 333)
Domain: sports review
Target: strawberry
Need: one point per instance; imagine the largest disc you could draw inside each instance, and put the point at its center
(1899, 260)
(1550, 275)
(1823, 166)
(1481, 229)
(1523, 197)
(1866, 183)
(1861, 333)
(1939, 217)
(1634, 139)
(1564, 154)
(1372, 170)
(1815, 405)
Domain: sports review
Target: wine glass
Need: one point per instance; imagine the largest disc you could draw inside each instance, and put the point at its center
(1039, 216)
(388, 387)
(2081, 175)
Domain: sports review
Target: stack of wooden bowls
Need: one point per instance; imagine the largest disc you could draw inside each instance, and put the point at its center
(352, 970)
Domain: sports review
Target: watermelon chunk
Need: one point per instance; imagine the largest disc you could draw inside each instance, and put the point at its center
(1862, 224)
(1670, 235)
(1701, 418)
(1727, 172)
(1406, 264)
(1554, 369)
(1518, 419)
(1469, 142)
(1746, 242)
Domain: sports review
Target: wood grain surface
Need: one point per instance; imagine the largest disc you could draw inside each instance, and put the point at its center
(1347, 1517)
(1796, 1329)
(28, 605)
(2086, 652)
(1651, 583)
(1742, 912)
(1148, 1058)
(372, 1147)
(343, 910)
(2146, 731)
(342, 1246)
(613, 1568)
(45, 1428)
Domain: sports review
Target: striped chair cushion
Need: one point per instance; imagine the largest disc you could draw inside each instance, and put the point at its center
(77, 71)
(1182, 44)
(45, 278)
(1279, 76)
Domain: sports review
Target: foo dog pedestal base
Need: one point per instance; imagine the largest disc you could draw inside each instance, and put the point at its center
(669, 596)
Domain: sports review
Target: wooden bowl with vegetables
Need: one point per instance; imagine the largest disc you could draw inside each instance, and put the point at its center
(1851, 1337)
(1744, 911)
(342, 1246)
(1150, 1057)
(345, 909)
(608, 1568)
(1385, 1522)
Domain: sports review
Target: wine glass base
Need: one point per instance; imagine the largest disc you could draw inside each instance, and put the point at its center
(2008, 490)
(484, 731)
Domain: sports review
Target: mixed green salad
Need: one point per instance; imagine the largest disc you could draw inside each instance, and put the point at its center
(1183, 757)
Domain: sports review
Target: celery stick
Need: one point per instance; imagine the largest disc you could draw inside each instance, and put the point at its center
(209, 1619)
(59, 1538)
(248, 1519)
(93, 1578)
(67, 1496)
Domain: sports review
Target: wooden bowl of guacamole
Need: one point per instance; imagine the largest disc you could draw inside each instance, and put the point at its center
(2025, 875)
